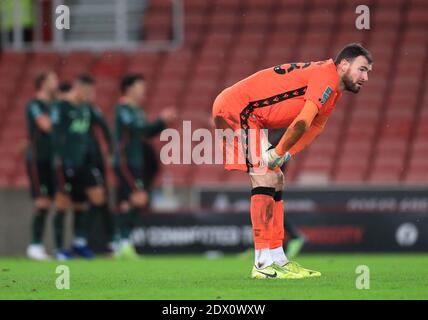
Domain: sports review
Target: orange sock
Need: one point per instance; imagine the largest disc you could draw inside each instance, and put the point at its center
(262, 211)
(277, 239)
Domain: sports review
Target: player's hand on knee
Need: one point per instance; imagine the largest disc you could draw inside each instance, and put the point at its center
(272, 160)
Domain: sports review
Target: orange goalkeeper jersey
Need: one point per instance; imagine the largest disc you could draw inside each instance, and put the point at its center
(277, 95)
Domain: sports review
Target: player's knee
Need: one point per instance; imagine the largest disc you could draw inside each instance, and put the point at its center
(96, 196)
(139, 199)
(124, 207)
(98, 200)
(78, 206)
(62, 201)
(43, 203)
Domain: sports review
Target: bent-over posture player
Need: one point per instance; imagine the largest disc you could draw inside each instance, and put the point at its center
(297, 96)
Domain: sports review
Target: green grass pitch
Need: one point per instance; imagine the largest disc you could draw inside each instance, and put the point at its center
(392, 276)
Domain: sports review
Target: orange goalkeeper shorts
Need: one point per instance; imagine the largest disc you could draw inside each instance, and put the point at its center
(240, 134)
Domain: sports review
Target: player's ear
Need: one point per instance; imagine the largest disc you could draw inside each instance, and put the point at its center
(344, 65)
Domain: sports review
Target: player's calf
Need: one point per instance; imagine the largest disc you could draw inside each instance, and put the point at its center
(36, 249)
(127, 219)
(262, 222)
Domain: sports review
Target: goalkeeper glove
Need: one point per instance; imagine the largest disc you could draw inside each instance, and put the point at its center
(271, 159)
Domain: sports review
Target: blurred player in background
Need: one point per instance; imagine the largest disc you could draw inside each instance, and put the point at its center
(151, 166)
(77, 179)
(38, 159)
(64, 90)
(131, 126)
(296, 96)
(99, 133)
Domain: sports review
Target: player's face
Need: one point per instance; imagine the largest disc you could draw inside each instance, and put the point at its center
(86, 92)
(357, 74)
(89, 93)
(52, 83)
(139, 91)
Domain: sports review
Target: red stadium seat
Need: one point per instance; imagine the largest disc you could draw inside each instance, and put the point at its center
(287, 19)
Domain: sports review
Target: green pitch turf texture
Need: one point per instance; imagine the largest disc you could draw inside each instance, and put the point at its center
(392, 276)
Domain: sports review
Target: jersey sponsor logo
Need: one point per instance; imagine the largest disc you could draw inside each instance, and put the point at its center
(80, 126)
(327, 93)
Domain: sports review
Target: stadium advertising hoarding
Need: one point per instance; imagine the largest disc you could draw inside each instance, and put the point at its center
(325, 200)
(329, 232)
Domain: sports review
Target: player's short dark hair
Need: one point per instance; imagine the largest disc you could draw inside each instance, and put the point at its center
(351, 51)
(41, 77)
(64, 87)
(85, 79)
(129, 80)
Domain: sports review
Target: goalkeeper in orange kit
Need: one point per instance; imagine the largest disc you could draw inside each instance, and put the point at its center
(297, 96)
